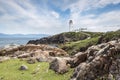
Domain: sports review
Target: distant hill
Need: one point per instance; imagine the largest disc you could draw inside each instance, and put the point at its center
(73, 42)
(65, 37)
(23, 35)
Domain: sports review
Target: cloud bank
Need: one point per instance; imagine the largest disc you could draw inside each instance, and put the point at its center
(50, 17)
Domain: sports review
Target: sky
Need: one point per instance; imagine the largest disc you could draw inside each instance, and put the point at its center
(52, 16)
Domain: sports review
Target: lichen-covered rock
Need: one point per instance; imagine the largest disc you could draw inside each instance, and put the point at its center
(40, 52)
(59, 65)
(24, 55)
(2, 59)
(115, 68)
(77, 59)
(31, 60)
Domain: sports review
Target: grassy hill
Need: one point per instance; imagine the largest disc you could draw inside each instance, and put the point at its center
(65, 37)
(95, 38)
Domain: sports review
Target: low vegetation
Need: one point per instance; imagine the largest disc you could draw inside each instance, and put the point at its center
(65, 37)
(110, 36)
(94, 34)
(74, 47)
(9, 70)
(75, 36)
(95, 38)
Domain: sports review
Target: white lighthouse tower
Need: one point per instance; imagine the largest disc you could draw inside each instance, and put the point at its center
(70, 25)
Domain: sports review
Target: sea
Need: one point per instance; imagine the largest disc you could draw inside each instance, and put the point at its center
(18, 41)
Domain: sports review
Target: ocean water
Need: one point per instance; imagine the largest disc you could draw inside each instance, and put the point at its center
(18, 41)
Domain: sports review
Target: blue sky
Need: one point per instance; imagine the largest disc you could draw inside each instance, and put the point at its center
(52, 16)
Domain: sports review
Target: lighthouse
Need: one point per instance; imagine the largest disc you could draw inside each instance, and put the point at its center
(70, 25)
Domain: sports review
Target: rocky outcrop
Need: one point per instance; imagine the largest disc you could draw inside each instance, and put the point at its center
(39, 52)
(101, 60)
(61, 64)
(97, 62)
(61, 38)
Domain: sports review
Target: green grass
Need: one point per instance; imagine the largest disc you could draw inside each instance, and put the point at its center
(9, 70)
(75, 36)
(72, 47)
(94, 34)
(81, 45)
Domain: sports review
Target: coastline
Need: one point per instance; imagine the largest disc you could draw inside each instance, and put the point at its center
(14, 41)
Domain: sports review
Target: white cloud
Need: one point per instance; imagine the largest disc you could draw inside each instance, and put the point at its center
(55, 14)
(81, 5)
(30, 19)
(92, 21)
(104, 22)
(25, 17)
(103, 3)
